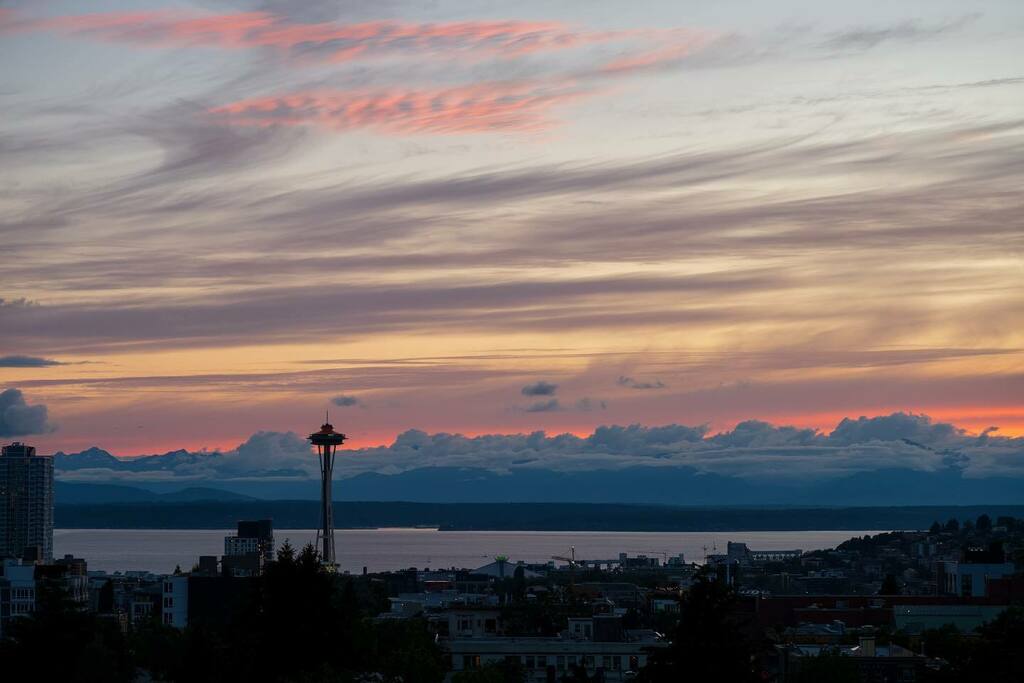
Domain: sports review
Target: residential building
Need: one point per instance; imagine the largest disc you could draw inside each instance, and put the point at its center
(174, 606)
(17, 591)
(970, 576)
(253, 538)
(26, 504)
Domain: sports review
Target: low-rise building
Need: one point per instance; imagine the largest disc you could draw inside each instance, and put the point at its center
(603, 649)
(17, 592)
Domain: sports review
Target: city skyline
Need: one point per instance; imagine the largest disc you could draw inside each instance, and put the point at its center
(221, 218)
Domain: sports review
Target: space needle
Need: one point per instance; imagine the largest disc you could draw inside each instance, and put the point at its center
(326, 441)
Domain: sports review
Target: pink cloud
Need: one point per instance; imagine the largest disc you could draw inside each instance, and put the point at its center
(484, 107)
(339, 42)
(680, 45)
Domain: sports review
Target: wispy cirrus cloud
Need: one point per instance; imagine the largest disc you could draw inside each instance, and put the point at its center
(332, 41)
(19, 361)
(867, 37)
(482, 107)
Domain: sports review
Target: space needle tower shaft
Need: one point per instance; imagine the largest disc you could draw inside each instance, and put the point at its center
(327, 441)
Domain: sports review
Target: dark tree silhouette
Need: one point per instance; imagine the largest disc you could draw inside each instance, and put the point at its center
(711, 642)
(984, 523)
(62, 641)
(890, 586)
(828, 666)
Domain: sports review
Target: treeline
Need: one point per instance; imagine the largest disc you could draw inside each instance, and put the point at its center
(513, 516)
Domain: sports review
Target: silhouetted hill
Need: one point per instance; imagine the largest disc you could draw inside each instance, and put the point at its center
(291, 514)
(72, 493)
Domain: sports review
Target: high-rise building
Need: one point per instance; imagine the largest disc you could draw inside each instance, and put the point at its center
(26, 504)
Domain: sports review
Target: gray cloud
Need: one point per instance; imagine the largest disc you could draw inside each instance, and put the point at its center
(632, 383)
(548, 406)
(540, 388)
(898, 426)
(18, 418)
(346, 401)
(907, 31)
(587, 404)
(27, 362)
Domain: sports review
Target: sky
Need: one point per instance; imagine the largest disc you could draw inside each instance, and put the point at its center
(223, 218)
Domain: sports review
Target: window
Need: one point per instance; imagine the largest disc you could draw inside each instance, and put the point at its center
(572, 660)
(966, 585)
(168, 603)
(167, 618)
(530, 662)
(560, 662)
(471, 661)
(586, 631)
(634, 663)
(588, 661)
(168, 587)
(606, 662)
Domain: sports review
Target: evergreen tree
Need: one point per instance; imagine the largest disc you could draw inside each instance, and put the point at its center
(711, 642)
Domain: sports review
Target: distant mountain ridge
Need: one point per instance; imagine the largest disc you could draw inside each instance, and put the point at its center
(97, 458)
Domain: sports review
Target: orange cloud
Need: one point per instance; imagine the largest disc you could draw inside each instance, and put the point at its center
(337, 41)
(485, 107)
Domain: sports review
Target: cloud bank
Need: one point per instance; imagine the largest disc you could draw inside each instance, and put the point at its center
(753, 450)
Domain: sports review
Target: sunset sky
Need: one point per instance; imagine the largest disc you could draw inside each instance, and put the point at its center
(224, 217)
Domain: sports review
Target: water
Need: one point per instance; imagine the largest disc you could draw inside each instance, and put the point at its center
(159, 550)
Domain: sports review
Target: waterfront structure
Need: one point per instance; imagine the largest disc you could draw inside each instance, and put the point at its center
(26, 504)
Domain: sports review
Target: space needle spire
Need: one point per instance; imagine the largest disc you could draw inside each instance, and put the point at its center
(326, 441)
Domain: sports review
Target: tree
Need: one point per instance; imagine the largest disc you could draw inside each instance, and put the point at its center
(711, 642)
(828, 666)
(953, 524)
(996, 654)
(63, 641)
(984, 523)
(105, 601)
(890, 586)
(935, 528)
(500, 672)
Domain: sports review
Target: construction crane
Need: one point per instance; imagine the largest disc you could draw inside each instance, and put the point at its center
(572, 567)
